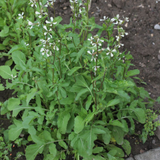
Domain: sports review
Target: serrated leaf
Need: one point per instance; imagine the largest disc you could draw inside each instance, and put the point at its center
(127, 147)
(140, 114)
(5, 72)
(78, 124)
(31, 95)
(32, 151)
(73, 70)
(113, 102)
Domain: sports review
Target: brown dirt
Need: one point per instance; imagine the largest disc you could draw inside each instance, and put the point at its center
(143, 42)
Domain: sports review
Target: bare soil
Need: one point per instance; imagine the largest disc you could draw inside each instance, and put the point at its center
(143, 42)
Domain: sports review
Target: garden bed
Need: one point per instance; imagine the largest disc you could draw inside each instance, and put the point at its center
(142, 41)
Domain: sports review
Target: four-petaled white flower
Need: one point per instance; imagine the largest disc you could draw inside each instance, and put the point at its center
(104, 18)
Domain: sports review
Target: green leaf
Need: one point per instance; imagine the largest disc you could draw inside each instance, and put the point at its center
(116, 123)
(132, 128)
(63, 144)
(1, 87)
(63, 92)
(118, 134)
(63, 121)
(79, 54)
(89, 117)
(19, 58)
(127, 147)
(78, 124)
(4, 32)
(97, 150)
(73, 70)
(2, 47)
(140, 114)
(113, 102)
(107, 136)
(143, 92)
(132, 72)
(32, 151)
(5, 72)
(98, 77)
(9, 62)
(68, 100)
(123, 94)
(80, 93)
(116, 151)
(158, 99)
(15, 130)
(13, 103)
(89, 102)
(31, 95)
(16, 48)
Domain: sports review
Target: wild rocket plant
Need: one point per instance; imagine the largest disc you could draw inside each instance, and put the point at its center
(74, 92)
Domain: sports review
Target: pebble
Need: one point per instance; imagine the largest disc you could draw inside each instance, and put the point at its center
(159, 57)
(109, 5)
(154, 141)
(157, 26)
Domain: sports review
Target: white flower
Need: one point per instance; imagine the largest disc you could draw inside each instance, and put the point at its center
(21, 15)
(45, 28)
(30, 23)
(51, 21)
(104, 18)
(37, 13)
(127, 19)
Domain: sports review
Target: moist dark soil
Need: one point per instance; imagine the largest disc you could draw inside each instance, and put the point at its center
(143, 42)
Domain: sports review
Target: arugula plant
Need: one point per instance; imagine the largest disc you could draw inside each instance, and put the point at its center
(75, 94)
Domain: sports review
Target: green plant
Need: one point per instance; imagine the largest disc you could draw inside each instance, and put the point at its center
(150, 126)
(74, 96)
(5, 147)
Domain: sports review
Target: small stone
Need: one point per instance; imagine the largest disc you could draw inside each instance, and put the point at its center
(157, 26)
(151, 35)
(119, 3)
(64, 8)
(109, 5)
(154, 141)
(158, 56)
(126, 25)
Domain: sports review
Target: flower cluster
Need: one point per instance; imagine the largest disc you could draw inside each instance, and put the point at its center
(50, 2)
(33, 3)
